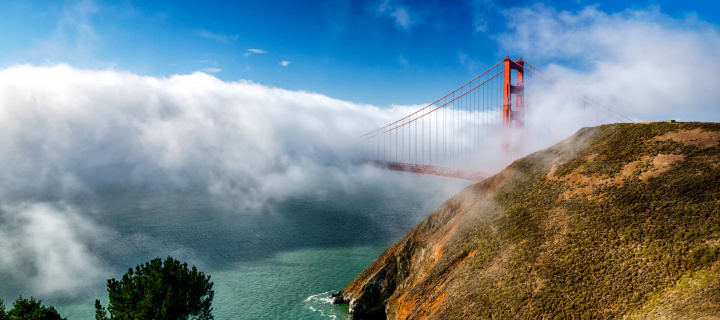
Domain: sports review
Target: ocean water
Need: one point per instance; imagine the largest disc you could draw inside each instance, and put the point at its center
(280, 262)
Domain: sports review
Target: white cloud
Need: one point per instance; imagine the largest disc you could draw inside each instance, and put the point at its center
(213, 62)
(217, 36)
(78, 18)
(465, 60)
(44, 248)
(284, 63)
(75, 37)
(643, 63)
(67, 133)
(400, 14)
(254, 51)
(403, 61)
(483, 13)
(212, 70)
(402, 17)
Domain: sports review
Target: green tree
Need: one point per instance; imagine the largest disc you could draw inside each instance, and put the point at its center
(159, 290)
(24, 309)
(3, 313)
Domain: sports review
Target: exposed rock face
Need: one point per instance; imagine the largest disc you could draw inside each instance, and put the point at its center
(618, 221)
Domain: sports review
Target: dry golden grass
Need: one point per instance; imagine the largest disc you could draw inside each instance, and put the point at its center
(604, 225)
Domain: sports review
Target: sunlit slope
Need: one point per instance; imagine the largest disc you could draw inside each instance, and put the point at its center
(617, 221)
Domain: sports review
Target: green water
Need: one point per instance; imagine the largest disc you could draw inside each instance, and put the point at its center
(281, 263)
(294, 285)
(289, 285)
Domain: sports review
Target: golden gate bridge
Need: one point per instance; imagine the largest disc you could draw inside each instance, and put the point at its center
(445, 138)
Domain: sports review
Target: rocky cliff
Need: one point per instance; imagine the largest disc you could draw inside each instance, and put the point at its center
(618, 221)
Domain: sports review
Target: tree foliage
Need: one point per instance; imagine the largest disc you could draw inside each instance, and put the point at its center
(28, 309)
(159, 290)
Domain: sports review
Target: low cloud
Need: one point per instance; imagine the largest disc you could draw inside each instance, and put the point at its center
(64, 131)
(67, 133)
(643, 63)
(284, 63)
(44, 248)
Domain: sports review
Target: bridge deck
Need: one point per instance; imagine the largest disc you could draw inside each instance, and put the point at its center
(466, 121)
(432, 170)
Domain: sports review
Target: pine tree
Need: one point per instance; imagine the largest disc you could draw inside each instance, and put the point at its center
(29, 309)
(159, 290)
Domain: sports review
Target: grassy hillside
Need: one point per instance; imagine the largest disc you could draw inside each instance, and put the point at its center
(618, 221)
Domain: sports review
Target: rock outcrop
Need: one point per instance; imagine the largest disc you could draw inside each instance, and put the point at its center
(618, 221)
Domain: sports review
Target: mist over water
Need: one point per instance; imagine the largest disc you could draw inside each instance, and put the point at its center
(104, 170)
(265, 264)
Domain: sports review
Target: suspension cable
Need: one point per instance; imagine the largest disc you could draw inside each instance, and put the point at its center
(436, 101)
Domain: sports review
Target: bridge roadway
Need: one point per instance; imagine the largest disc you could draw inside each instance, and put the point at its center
(431, 170)
(466, 119)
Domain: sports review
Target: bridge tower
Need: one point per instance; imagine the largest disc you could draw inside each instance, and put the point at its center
(518, 115)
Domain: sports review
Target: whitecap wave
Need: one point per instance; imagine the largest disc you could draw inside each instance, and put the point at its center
(322, 304)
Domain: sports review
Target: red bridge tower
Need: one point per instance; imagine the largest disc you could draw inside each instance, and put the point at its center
(518, 114)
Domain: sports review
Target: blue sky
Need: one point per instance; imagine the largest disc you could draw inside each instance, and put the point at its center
(380, 52)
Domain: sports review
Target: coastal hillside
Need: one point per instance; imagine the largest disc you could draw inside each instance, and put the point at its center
(618, 221)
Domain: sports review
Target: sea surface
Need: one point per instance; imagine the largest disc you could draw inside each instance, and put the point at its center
(281, 261)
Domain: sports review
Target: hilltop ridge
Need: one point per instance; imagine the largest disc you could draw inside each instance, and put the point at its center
(617, 221)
